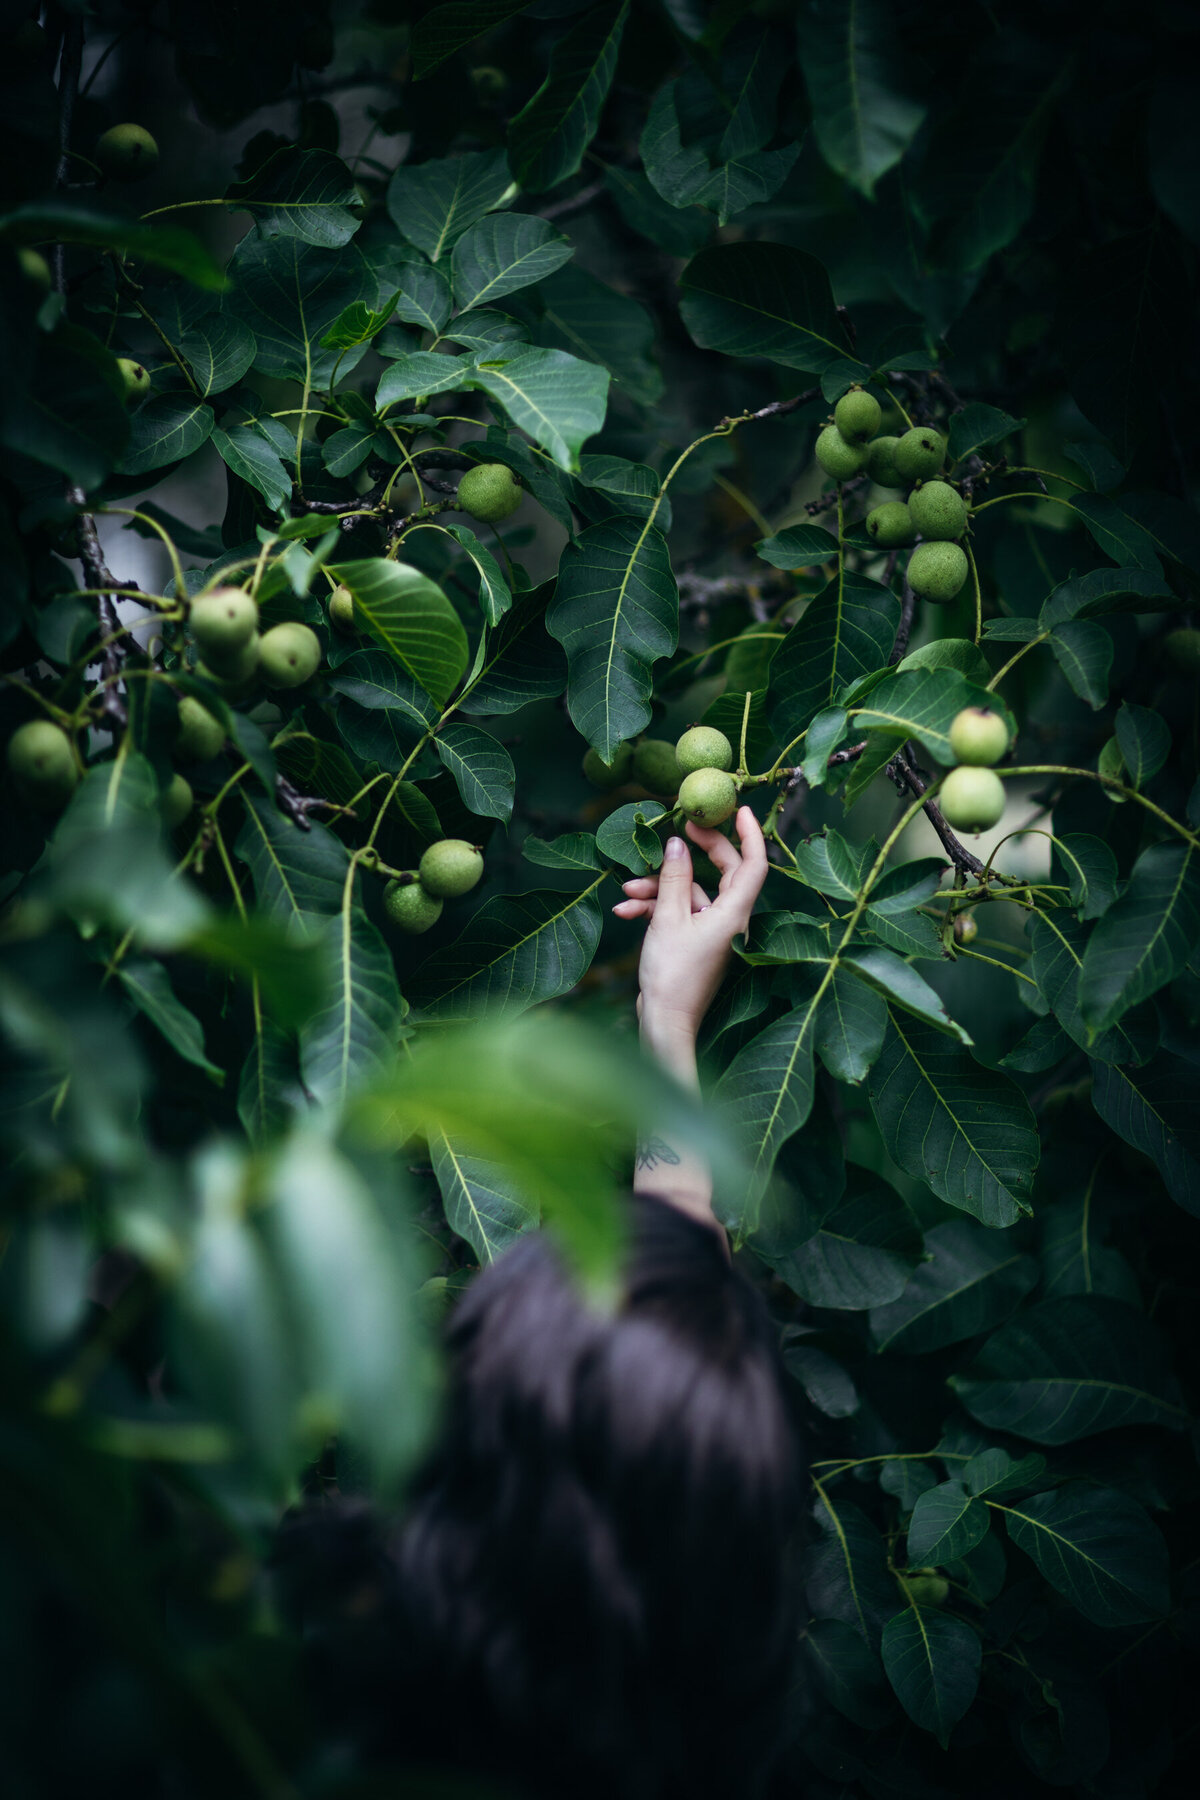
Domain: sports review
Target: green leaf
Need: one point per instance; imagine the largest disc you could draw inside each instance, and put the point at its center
(217, 348)
(517, 662)
(364, 1361)
(1105, 591)
(425, 372)
(615, 612)
(766, 1094)
(372, 682)
(833, 866)
(517, 950)
(1059, 948)
(907, 933)
(995, 1472)
(863, 1254)
(923, 703)
(573, 850)
(149, 987)
(1145, 938)
(824, 1380)
(761, 299)
(1084, 653)
(976, 426)
(74, 420)
(484, 1203)
(1075, 1257)
(851, 1022)
(683, 174)
(624, 838)
(891, 976)
(1145, 740)
(982, 163)
(946, 1522)
(70, 222)
(353, 1039)
(164, 430)
(482, 770)
(1090, 869)
(269, 1091)
(964, 1129)
(595, 322)
(308, 194)
(846, 632)
(798, 547)
(296, 874)
(972, 1279)
(410, 616)
(347, 450)
(850, 55)
(433, 204)
(1070, 1368)
(932, 1661)
(254, 460)
(1119, 535)
(289, 293)
(548, 137)
(820, 741)
(1154, 1109)
(448, 28)
(847, 1574)
(504, 252)
(559, 399)
(680, 231)
(495, 596)
(1098, 1548)
(419, 292)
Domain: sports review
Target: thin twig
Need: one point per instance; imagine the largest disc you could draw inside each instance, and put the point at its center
(908, 609)
(900, 771)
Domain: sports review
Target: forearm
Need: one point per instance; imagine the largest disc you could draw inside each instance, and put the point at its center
(667, 1166)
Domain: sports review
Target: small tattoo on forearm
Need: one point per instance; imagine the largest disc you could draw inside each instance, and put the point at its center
(652, 1151)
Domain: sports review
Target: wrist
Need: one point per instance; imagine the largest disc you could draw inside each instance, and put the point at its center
(671, 1040)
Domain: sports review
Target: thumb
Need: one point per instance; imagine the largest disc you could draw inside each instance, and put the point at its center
(674, 903)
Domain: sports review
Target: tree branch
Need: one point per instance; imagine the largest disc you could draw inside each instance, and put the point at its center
(901, 772)
(297, 806)
(908, 609)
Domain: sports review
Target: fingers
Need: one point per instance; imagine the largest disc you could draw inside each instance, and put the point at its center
(634, 909)
(673, 905)
(643, 901)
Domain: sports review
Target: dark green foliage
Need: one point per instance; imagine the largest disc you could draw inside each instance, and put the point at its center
(636, 257)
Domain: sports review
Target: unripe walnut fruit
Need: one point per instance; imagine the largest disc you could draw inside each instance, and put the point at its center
(222, 621)
(42, 764)
(890, 525)
(881, 463)
(135, 380)
(198, 736)
(708, 796)
(703, 747)
(966, 928)
(857, 415)
(290, 655)
(408, 905)
(490, 492)
(126, 152)
(837, 457)
(978, 736)
(937, 510)
(610, 774)
(920, 453)
(937, 571)
(177, 801)
(234, 672)
(35, 268)
(972, 799)
(655, 767)
(927, 1588)
(449, 868)
(341, 609)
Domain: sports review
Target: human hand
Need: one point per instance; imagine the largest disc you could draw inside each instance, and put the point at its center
(689, 938)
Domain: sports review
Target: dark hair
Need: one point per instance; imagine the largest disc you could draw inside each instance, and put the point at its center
(592, 1591)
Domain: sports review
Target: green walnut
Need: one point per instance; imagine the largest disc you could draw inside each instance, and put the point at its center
(341, 609)
(891, 525)
(177, 801)
(42, 764)
(233, 671)
(857, 415)
(703, 747)
(135, 380)
(920, 453)
(1183, 650)
(978, 736)
(655, 767)
(938, 511)
(198, 736)
(937, 571)
(222, 622)
(603, 774)
(972, 799)
(966, 928)
(839, 458)
(708, 796)
(291, 655)
(35, 268)
(490, 492)
(881, 463)
(450, 867)
(126, 153)
(927, 1588)
(407, 905)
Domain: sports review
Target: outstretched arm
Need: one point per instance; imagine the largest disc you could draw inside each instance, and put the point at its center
(685, 953)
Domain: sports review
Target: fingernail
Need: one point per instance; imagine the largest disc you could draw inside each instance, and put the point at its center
(675, 848)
